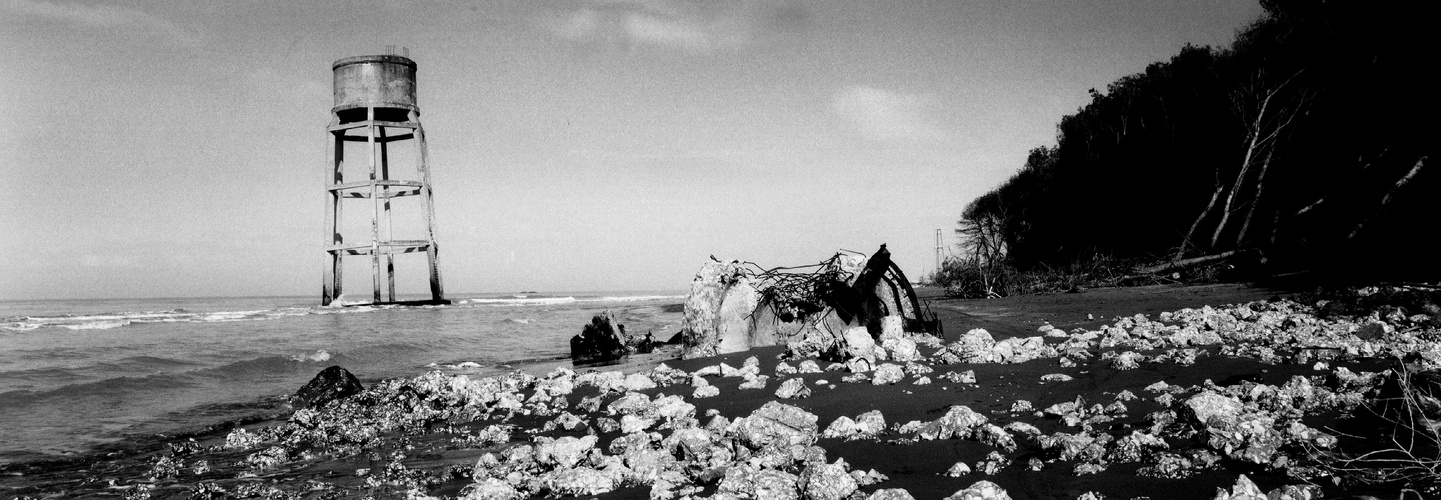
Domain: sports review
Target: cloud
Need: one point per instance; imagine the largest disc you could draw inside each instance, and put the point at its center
(887, 116)
(675, 33)
(693, 27)
(106, 17)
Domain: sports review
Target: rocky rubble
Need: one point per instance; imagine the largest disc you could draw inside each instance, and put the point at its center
(582, 434)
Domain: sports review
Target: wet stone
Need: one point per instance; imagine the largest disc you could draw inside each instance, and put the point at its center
(329, 385)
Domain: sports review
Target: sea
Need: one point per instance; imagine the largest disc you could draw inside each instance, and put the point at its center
(85, 376)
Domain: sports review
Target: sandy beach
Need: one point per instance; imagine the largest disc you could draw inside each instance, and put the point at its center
(1028, 422)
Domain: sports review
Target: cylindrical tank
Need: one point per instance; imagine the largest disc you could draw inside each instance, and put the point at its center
(378, 81)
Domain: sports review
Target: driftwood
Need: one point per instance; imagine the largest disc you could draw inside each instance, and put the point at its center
(1185, 263)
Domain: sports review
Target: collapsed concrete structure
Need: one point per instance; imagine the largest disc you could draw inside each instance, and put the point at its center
(734, 306)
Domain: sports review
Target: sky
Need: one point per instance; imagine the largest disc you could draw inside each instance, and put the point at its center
(177, 148)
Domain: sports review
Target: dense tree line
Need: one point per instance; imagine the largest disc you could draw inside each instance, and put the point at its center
(1308, 141)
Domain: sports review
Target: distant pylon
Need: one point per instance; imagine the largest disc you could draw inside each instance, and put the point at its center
(939, 247)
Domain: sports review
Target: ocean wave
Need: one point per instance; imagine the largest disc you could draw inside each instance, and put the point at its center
(638, 298)
(316, 357)
(113, 388)
(523, 300)
(529, 301)
(461, 366)
(144, 363)
(270, 365)
(96, 325)
(46, 374)
(105, 321)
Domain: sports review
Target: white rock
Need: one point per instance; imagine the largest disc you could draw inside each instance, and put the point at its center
(633, 423)
(793, 388)
(974, 346)
(891, 494)
(564, 452)
(756, 382)
(638, 382)
(827, 482)
(1208, 404)
(958, 470)
(981, 490)
(775, 424)
(842, 427)
(1244, 489)
(860, 365)
(578, 481)
(887, 374)
(967, 377)
(860, 345)
(491, 488)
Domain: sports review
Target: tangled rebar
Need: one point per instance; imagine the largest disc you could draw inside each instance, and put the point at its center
(798, 293)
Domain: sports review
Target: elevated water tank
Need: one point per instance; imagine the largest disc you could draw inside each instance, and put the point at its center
(374, 81)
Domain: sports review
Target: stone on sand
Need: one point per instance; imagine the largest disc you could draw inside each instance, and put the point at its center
(329, 385)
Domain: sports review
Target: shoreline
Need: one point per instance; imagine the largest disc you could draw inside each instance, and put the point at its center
(914, 466)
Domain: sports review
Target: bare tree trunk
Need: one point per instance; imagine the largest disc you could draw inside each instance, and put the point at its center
(1310, 207)
(1255, 133)
(1390, 193)
(1191, 233)
(1181, 264)
(1264, 133)
(1256, 200)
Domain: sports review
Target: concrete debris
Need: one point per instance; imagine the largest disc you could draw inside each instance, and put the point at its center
(827, 481)
(891, 494)
(993, 463)
(793, 388)
(775, 424)
(959, 422)
(718, 310)
(958, 470)
(981, 490)
(868, 425)
(888, 373)
(755, 382)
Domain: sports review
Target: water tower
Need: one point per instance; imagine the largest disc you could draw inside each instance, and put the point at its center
(374, 126)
